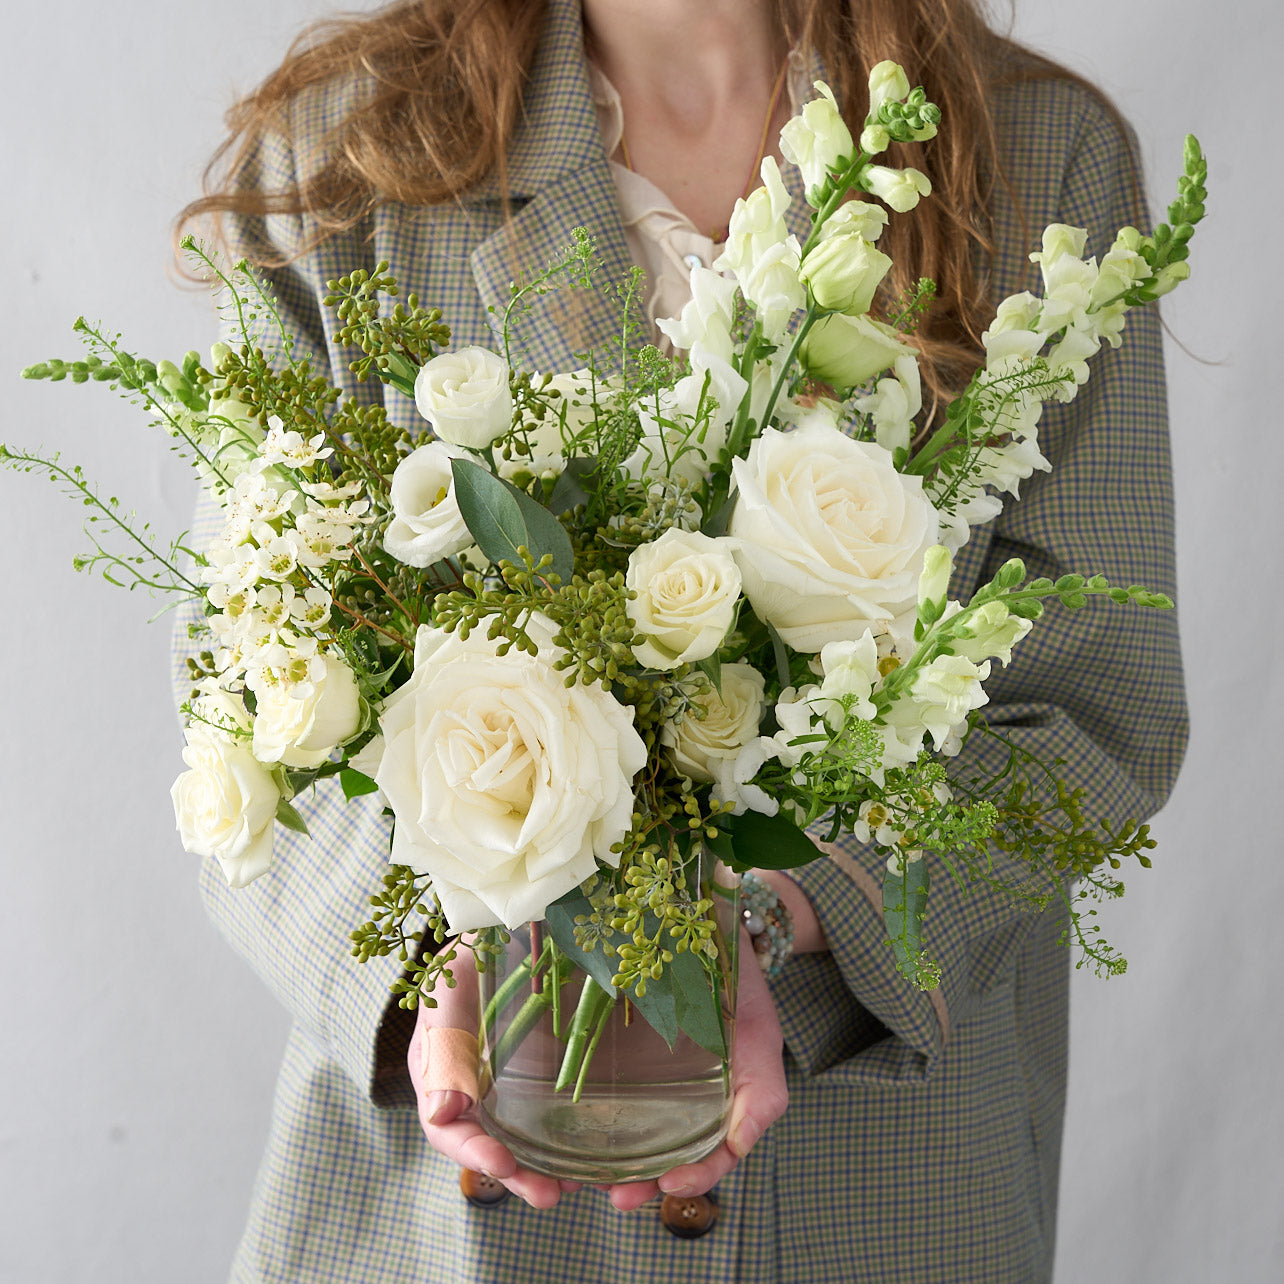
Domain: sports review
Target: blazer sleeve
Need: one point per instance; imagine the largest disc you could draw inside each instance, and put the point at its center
(1099, 689)
(292, 925)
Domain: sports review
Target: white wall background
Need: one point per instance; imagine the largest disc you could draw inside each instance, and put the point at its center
(138, 1055)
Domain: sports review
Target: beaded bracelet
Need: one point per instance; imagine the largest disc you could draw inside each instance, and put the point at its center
(769, 924)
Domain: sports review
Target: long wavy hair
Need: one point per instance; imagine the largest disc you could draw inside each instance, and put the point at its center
(445, 84)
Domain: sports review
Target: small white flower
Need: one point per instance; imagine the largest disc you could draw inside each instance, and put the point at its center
(899, 188)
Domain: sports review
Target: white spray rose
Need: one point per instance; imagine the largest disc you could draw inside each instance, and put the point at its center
(829, 536)
(225, 804)
(849, 351)
(687, 587)
(817, 140)
(426, 522)
(731, 718)
(899, 188)
(465, 396)
(508, 786)
(299, 724)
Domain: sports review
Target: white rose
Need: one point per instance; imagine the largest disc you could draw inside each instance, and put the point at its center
(300, 724)
(687, 587)
(817, 139)
(899, 188)
(465, 396)
(426, 522)
(225, 804)
(849, 351)
(731, 718)
(829, 536)
(508, 786)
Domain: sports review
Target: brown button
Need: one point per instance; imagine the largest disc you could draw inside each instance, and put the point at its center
(480, 1189)
(688, 1216)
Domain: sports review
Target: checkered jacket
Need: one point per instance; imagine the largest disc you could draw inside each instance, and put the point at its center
(922, 1139)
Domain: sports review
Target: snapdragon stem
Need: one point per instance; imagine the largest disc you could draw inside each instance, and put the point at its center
(594, 1001)
(603, 1016)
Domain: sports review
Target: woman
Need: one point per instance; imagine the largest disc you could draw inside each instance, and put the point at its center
(463, 140)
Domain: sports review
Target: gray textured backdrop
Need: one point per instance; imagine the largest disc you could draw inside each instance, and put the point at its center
(138, 1054)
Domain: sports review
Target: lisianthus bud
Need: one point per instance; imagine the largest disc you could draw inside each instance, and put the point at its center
(843, 272)
(900, 188)
(848, 351)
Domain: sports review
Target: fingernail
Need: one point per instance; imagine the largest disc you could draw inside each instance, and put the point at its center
(745, 1136)
(681, 1189)
(436, 1106)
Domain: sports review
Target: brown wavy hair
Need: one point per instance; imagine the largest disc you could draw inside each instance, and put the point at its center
(445, 84)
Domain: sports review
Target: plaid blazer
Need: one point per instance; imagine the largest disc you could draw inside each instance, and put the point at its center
(922, 1139)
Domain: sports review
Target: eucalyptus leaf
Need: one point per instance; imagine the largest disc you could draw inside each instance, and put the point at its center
(698, 1005)
(656, 1006)
(769, 842)
(288, 816)
(503, 519)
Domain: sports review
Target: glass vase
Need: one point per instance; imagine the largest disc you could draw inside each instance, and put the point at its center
(577, 1083)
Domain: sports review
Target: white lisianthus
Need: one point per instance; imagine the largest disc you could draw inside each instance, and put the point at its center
(731, 718)
(894, 403)
(508, 786)
(829, 536)
(899, 188)
(229, 437)
(465, 396)
(299, 724)
(844, 271)
(849, 351)
(817, 140)
(426, 522)
(687, 586)
(225, 804)
(851, 670)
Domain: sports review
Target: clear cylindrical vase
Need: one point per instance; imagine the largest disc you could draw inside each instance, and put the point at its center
(578, 1084)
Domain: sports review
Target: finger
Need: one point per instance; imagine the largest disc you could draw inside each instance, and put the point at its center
(626, 1197)
(701, 1177)
(758, 1070)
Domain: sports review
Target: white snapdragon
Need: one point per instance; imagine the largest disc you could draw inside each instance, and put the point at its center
(465, 396)
(707, 318)
(888, 83)
(427, 524)
(900, 188)
(893, 404)
(685, 588)
(817, 141)
(855, 218)
(851, 672)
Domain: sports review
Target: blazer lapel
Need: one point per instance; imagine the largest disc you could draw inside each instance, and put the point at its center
(558, 180)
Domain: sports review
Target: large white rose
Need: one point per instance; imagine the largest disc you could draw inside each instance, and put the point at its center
(687, 587)
(426, 522)
(465, 396)
(300, 724)
(829, 536)
(225, 804)
(731, 717)
(508, 786)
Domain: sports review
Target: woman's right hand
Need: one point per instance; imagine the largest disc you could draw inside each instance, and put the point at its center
(449, 1116)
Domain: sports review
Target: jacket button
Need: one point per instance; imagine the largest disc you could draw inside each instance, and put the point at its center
(688, 1216)
(480, 1190)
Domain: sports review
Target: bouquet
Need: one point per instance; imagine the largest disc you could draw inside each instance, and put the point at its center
(603, 639)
